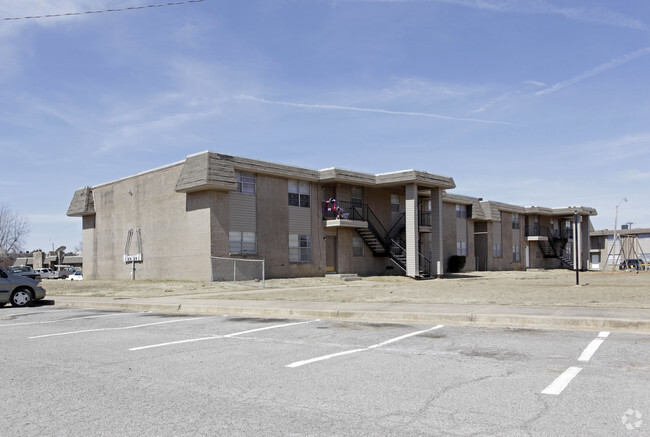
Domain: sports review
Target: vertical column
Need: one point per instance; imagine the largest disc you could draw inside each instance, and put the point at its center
(412, 260)
(437, 264)
(585, 243)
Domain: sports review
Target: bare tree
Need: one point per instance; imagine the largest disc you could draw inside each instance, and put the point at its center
(13, 230)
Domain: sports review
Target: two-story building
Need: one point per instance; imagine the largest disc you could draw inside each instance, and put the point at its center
(175, 221)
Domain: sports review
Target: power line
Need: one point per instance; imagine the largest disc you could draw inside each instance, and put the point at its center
(130, 8)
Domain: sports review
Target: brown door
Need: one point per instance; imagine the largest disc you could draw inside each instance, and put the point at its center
(330, 254)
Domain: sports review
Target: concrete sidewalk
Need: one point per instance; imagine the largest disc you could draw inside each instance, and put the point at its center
(557, 317)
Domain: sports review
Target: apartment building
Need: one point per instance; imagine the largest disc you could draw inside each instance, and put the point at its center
(171, 223)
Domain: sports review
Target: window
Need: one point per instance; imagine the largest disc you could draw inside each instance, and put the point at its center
(461, 248)
(356, 196)
(497, 251)
(299, 193)
(515, 221)
(357, 246)
(299, 248)
(245, 182)
(242, 242)
(461, 211)
(394, 202)
(516, 253)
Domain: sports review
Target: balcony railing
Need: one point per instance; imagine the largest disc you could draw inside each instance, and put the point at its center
(536, 230)
(342, 210)
(544, 231)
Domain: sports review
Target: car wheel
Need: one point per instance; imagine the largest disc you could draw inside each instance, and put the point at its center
(21, 298)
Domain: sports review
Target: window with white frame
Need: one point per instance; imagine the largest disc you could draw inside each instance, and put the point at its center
(242, 242)
(461, 211)
(461, 248)
(516, 253)
(357, 246)
(245, 182)
(497, 250)
(516, 221)
(299, 248)
(299, 193)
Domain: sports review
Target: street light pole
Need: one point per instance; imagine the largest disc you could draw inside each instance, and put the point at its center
(624, 199)
(576, 246)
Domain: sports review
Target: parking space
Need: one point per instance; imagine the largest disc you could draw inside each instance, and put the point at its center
(86, 371)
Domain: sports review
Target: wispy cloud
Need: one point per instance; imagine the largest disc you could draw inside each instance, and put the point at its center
(370, 110)
(11, 9)
(411, 87)
(598, 15)
(534, 83)
(624, 148)
(616, 62)
(503, 97)
(635, 175)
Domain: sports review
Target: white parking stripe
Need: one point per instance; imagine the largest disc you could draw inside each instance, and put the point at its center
(214, 337)
(338, 354)
(65, 320)
(393, 340)
(593, 347)
(118, 328)
(562, 381)
(324, 357)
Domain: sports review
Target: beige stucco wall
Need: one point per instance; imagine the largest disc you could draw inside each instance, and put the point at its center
(451, 228)
(175, 229)
(273, 230)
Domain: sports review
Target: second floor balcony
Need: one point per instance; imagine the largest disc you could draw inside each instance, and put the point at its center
(536, 231)
(337, 213)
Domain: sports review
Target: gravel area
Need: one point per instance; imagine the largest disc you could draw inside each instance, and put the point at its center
(534, 288)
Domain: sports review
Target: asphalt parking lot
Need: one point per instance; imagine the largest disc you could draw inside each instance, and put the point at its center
(96, 372)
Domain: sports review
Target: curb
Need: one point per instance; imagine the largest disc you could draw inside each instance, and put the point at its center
(463, 319)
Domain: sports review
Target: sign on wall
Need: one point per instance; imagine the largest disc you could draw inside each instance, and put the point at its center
(128, 256)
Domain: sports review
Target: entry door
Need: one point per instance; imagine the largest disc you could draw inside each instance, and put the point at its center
(330, 253)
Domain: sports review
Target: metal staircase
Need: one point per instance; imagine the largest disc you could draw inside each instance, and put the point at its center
(556, 247)
(384, 242)
(372, 241)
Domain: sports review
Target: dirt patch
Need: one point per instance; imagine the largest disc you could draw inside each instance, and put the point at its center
(545, 288)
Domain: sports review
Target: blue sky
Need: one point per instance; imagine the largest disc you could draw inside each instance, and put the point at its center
(526, 102)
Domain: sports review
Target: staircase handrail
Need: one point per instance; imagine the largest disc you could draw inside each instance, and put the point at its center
(375, 226)
(397, 227)
(424, 262)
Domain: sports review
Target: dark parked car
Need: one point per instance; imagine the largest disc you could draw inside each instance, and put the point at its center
(636, 264)
(25, 271)
(18, 290)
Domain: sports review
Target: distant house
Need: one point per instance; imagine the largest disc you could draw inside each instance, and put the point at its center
(608, 248)
(38, 259)
(172, 221)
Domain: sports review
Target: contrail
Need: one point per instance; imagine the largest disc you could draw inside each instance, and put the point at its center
(594, 71)
(373, 110)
